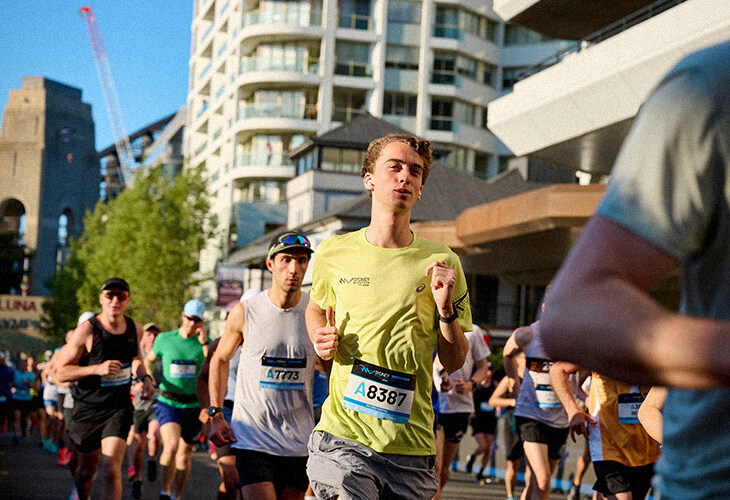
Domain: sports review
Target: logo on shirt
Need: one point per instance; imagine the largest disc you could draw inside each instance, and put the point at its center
(357, 281)
(420, 288)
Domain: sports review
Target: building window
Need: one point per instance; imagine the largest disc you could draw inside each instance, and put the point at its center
(465, 113)
(261, 191)
(447, 23)
(399, 104)
(352, 59)
(466, 66)
(444, 68)
(341, 160)
(355, 14)
(519, 35)
(457, 157)
(442, 114)
(489, 75)
(65, 229)
(510, 76)
(401, 57)
(404, 11)
(347, 105)
(481, 165)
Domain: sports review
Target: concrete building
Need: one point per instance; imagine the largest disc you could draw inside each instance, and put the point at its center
(266, 75)
(574, 111)
(49, 171)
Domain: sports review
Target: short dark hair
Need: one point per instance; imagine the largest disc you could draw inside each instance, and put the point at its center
(422, 147)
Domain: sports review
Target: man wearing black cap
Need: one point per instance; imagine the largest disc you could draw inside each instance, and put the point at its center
(102, 356)
(272, 414)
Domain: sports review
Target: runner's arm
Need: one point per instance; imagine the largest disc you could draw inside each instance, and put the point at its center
(599, 314)
(650, 412)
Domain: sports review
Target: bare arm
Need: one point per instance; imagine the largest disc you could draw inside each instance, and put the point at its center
(559, 380)
(498, 399)
(139, 368)
(452, 343)
(650, 412)
(516, 345)
(599, 314)
(201, 382)
(233, 336)
(68, 364)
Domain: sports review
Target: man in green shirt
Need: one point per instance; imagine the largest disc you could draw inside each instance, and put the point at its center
(182, 354)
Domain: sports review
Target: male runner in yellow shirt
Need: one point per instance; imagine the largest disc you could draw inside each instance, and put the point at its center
(382, 301)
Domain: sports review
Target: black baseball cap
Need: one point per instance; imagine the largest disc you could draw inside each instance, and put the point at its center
(115, 284)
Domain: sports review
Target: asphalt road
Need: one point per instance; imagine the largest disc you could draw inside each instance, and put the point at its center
(28, 472)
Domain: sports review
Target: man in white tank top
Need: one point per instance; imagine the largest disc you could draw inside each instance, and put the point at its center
(272, 411)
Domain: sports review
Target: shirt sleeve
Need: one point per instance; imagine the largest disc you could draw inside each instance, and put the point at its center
(461, 295)
(322, 292)
(666, 180)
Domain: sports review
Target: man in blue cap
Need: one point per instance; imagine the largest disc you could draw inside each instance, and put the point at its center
(182, 354)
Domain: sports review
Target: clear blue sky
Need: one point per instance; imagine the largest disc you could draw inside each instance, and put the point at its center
(147, 42)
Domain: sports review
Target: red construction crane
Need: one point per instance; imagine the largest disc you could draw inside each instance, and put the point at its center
(104, 71)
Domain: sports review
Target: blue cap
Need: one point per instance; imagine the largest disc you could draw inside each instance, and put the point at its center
(194, 308)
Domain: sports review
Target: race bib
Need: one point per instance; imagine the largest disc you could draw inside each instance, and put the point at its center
(485, 406)
(628, 408)
(545, 396)
(123, 377)
(379, 392)
(182, 369)
(282, 373)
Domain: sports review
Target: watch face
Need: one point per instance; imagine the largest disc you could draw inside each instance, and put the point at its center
(213, 410)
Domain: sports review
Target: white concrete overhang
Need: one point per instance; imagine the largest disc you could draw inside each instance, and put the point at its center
(576, 113)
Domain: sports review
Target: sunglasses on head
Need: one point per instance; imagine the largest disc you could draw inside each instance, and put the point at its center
(110, 294)
(293, 239)
(194, 319)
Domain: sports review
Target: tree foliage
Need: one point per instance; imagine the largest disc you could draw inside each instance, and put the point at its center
(61, 313)
(12, 254)
(151, 235)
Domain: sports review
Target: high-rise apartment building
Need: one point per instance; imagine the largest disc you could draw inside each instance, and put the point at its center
(267, 74)
(50, 174)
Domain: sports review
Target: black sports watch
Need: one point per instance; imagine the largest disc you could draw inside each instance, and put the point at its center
(214, 410)
(449, 319)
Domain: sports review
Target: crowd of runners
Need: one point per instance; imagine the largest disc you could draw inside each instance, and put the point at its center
(365, 387)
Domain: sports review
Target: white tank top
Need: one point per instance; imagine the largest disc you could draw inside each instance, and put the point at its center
(272, 412)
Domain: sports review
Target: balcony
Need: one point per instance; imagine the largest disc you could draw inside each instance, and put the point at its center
(356, 22)
(261, 159)
(303, 112)
(310, 66)
(292, 17)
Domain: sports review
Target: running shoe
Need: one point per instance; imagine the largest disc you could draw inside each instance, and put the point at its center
(74, 495)
(131, 473)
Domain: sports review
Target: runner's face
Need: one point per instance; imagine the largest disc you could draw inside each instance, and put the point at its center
(397, 177)
(114, 301)
(288, 268)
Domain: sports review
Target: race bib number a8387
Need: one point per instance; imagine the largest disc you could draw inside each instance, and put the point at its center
(380, 392)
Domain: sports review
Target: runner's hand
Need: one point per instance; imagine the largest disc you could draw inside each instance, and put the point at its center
(443, 279)
(578, 424)
(109, 367)
(326, 338)
(221, 433)
(148, 389)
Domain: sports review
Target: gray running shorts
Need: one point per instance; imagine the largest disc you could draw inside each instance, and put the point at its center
(350, 470)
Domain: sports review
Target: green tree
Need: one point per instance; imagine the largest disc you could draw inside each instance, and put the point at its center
(61, 313)
(151, 235)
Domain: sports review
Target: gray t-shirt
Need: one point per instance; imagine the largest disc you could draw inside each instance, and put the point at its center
(671, 186)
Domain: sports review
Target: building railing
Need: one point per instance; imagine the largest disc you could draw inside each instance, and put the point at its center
(448, 31)
(356, 22)
(201, 148)
(261, 159)
(307, 112)
(293, 17)
(346, 114)
(613, 29)
(447, 78)
(443, 123)
(205, 70)
(207, 32)
(310, 66)
(353, 68)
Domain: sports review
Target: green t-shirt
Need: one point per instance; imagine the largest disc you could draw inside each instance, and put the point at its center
(386, 317)
(181, 360)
